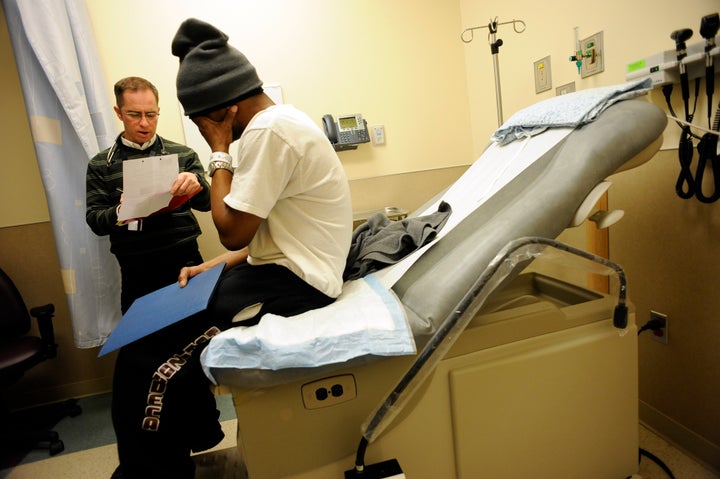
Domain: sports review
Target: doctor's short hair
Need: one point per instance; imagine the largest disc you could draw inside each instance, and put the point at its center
(133, 84)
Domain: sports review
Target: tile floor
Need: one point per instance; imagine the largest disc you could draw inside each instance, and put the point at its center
(90, 452)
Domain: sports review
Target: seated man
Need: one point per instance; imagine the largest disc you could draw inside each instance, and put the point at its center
(284, 213)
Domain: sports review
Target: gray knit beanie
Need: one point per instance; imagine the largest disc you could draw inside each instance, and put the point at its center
(212, 73)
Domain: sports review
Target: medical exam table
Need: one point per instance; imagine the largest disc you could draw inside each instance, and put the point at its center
(539, 384)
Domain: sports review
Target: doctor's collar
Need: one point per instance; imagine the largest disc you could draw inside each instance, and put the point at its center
(122, 140)
(136, 146)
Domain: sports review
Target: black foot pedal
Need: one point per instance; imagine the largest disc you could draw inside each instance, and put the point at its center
(382, 470)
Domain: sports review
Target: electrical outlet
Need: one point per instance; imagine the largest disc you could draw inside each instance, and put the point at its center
(329, 391)
(543, 75)
(593, 51)
(659, 334)
(565, 89)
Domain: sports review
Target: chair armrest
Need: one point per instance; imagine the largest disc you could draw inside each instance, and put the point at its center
(44, 315)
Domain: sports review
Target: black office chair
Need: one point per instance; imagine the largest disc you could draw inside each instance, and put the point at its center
(19, 352)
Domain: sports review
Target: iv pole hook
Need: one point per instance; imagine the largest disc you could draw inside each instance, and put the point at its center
(495, 44)
(518, 26)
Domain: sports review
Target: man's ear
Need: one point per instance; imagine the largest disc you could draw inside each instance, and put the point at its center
(117, 111)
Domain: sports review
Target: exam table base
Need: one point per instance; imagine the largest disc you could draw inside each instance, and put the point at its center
(535, 394)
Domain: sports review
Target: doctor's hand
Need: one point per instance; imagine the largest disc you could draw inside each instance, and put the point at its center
(185, 184)
(217, 129)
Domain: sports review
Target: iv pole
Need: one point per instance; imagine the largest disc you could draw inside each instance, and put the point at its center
(495, 44)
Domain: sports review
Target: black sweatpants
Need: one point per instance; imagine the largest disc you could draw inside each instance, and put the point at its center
(141, 275)
(162, 404)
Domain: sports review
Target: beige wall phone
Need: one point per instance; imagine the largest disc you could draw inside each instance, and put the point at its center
(347, 132)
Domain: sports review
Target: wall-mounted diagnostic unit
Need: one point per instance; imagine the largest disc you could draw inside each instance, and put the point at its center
(680, 66)
(663, 67)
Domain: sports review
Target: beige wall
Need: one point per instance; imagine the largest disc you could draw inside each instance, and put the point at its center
(378, 58)
(21, 176)
(407, 69)
(669, 251)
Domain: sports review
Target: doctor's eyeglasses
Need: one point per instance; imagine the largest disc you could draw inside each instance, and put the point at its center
(138, 115)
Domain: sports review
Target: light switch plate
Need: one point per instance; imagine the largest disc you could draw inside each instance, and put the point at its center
(378, 135)
(543, 74)
(565, 89)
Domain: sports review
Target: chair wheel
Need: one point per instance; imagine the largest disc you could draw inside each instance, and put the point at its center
(71, 408)
(56, 447)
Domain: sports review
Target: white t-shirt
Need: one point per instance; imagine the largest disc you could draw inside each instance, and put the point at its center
(289, 174)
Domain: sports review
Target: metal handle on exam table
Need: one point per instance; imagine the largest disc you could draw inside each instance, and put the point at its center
(456, 322)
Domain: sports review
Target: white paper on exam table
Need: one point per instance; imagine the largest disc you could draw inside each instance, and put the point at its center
(486, 176)
(146, 185)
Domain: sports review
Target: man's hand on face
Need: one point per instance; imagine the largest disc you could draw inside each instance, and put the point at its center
(217, 128)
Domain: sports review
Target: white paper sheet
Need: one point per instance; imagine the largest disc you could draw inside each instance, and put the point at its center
(146, 185)
(493, 170)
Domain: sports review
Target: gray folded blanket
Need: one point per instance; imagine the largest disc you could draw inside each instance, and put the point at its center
(380, 242)
(572, 110)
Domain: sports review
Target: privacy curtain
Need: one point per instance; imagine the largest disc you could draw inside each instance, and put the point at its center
(70, 118)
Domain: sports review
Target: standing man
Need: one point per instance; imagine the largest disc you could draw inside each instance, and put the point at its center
(167, 241)
(151, 251)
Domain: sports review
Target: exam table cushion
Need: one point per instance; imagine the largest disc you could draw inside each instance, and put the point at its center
(541, 201)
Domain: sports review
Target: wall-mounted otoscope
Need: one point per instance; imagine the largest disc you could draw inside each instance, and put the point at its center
(666, 73)
(681, 36)
(707, 147)
(709, 26)
(685, 185)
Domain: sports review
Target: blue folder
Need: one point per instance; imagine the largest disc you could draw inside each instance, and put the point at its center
(161, 308)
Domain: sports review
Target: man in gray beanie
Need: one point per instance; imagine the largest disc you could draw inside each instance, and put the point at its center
(284, 214)
(212, 74)
(287, 203)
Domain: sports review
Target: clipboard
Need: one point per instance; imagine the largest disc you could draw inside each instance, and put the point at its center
(146, 187)
(163, 307)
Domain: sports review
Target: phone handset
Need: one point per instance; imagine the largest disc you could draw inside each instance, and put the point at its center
(330, 128)
(347, 133)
